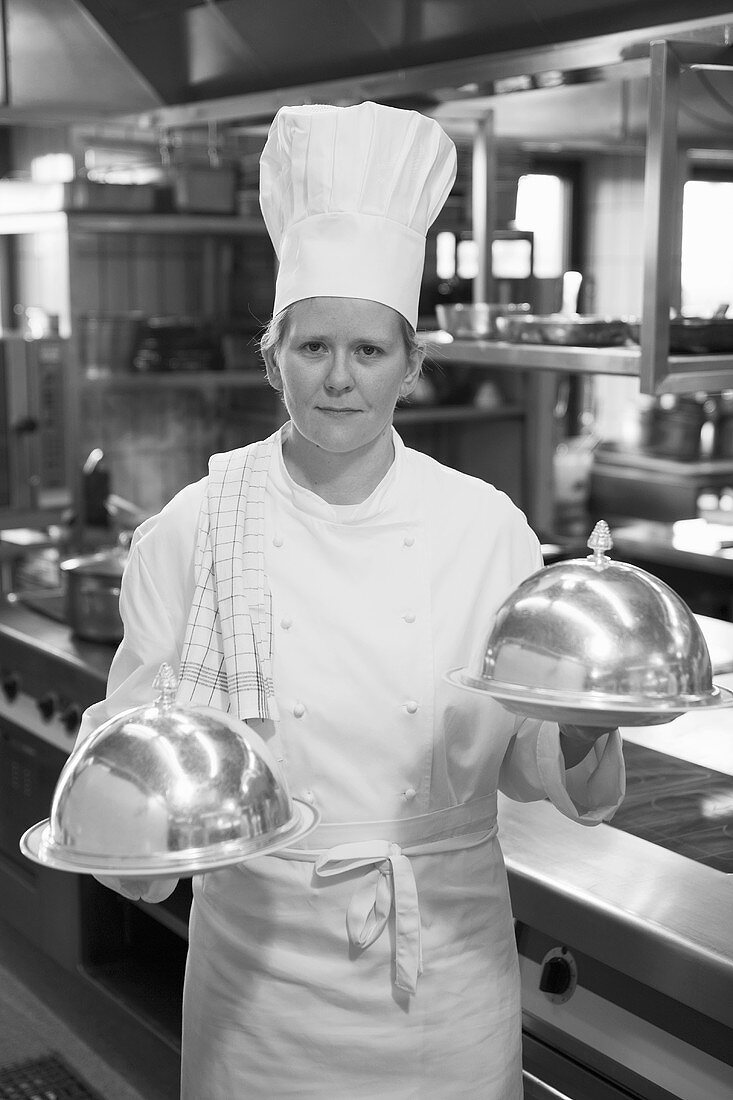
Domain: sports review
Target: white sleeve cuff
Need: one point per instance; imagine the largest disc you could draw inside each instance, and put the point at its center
(591, 791)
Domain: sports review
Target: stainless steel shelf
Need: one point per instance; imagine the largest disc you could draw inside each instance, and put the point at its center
(213, 379)
(407, 417)
(88, 222)
(685, 373)
(164, 223)
(454, 414)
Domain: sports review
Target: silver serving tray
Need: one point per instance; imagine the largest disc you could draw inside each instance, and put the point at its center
(37, 846)
(585, 708)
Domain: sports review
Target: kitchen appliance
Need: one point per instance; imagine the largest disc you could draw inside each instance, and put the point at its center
(167, 789)
(33, 446)
(595, 642)
(42, 695)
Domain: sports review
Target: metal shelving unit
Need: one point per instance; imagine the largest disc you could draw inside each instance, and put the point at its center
(665, 61)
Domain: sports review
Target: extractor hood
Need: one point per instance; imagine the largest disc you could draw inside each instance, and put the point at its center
(184, 62)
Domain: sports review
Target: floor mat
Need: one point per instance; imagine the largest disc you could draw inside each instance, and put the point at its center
(46, 1078)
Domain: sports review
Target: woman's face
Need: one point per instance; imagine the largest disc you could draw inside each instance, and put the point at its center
(341, 367)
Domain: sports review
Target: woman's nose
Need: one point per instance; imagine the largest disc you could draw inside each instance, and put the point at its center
(338, 379)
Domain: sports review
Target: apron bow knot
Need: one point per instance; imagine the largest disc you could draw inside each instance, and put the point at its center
(391, 885)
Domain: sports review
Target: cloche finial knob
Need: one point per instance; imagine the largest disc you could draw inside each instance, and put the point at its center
(167, 683)
(600, 540)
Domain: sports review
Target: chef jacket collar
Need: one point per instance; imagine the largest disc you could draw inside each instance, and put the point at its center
(375, 505)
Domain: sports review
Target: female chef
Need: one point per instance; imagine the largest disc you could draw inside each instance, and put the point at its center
(319, 584)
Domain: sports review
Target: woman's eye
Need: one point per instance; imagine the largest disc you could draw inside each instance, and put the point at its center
(313, 347)
(369, 351)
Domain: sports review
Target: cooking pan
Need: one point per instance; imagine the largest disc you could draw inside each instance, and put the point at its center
(695, 335)
(559, 329)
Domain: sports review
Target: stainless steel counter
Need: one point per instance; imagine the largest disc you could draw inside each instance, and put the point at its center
(686, 545)
(649, 913)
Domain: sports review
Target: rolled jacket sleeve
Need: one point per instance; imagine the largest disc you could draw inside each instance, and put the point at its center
(156, 592)
(534, 768)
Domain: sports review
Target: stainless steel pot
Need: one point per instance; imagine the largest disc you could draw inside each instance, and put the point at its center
(93, 594)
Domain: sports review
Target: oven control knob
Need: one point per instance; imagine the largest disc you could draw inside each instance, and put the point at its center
(11, 685)
(71, 717)
(47, 705)
(559, 975)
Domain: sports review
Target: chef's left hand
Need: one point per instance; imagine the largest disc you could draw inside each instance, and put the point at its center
(577, 741)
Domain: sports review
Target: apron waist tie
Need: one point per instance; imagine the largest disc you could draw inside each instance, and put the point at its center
(391, 884)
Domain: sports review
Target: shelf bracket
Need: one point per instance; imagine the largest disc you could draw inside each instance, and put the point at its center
(483, 196)
(662, 206)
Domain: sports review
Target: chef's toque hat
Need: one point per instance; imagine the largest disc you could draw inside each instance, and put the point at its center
(348, 194)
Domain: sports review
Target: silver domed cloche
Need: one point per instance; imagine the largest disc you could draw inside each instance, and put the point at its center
(167, 790)
(596, 642)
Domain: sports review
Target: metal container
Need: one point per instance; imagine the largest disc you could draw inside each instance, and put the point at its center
(167, 789)
(672, 427)
(93, 594)
(477, 321)
(595, 642)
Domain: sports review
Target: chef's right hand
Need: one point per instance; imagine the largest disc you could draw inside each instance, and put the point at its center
(140, 889)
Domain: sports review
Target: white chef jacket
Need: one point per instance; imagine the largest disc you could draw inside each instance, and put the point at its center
(377, 959)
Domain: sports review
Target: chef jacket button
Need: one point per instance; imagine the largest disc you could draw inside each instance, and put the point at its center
(409, 616)
(309, 797)
(298, 710)
(277, 541)
(409, 794)
(408, 540)
(411, 706)
(286, 623)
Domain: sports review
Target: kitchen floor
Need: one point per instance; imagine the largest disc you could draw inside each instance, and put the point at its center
(44, 1009)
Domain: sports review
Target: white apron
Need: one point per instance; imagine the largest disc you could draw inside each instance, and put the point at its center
(378, 960)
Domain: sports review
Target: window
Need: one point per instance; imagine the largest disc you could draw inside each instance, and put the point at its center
(543, 208)
(707, 246)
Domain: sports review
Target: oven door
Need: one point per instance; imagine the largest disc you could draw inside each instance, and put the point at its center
(551, 1075)
(44, 905)
(592, 1032)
